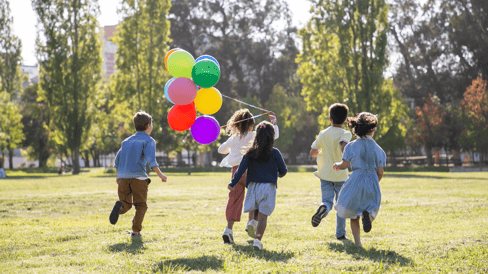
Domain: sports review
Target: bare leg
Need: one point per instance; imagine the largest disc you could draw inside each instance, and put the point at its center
(230, 224)
(253, 215)
(356, 231)
(262, 221)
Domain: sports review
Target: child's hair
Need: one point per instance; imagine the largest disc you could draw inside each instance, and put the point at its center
(240, 128)
(142, 120)
(263, 142)
(362, 124)
(338, 113)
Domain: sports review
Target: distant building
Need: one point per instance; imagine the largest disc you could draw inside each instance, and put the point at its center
(108, 51)
(32, 73)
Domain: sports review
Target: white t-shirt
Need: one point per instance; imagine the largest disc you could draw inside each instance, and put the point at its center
(328, 142)
(236, 147)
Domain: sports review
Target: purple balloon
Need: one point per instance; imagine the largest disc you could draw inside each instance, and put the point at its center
(205, 130)
(182, 91)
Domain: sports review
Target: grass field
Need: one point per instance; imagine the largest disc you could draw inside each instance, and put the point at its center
(429, 222)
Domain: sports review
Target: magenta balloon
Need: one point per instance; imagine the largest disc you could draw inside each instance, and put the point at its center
(182, 91)
(205, 130)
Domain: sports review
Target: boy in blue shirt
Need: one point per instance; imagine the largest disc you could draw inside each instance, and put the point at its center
(130, 163)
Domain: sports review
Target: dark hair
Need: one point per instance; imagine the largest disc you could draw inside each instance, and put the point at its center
(263, 142)
(241, 128)
(338, 113)
(363, 123)
(142, 120)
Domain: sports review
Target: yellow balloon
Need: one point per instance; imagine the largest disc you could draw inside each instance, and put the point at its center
(208, 100)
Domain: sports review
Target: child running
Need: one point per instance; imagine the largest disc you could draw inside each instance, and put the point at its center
(239, 127)
(360, 195)
(264, 164)
(132, 179)
(328, 148)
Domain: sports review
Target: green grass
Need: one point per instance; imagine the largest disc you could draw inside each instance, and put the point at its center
(429, 222)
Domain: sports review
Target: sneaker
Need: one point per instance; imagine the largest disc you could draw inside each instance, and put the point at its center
(135, 235)
(342, 238)
(257, 244)
(228, 236)
(366, 222)
(319, 215)
(114, 215)
(251, 228)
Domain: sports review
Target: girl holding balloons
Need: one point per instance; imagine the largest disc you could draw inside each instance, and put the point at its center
(240, 128)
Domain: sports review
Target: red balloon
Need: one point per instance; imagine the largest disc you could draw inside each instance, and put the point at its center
(182, 117)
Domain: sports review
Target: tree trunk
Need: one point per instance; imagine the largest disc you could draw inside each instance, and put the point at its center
(189, 161)
(76, 161)
(11, 158)
(86, 159)
(428, 151)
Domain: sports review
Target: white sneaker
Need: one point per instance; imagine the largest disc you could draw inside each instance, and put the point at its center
(228, 236)
(251, 228)
(257, 244)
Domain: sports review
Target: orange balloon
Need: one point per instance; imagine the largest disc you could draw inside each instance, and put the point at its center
(167, 56)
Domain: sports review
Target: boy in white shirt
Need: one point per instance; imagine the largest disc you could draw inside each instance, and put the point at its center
(328, 148)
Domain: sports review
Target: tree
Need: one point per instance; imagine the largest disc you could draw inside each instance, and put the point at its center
(11, 134)
(443, 47)
(142, 39)
(475, 108)
(429, 126)
(343, 60)
(35, 118)
(68, 49)
(11, 78)
(248, 38)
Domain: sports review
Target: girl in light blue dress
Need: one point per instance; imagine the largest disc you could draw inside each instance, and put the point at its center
(360, 195)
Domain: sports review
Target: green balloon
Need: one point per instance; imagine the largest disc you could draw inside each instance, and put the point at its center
(180, 64)
(205, 73)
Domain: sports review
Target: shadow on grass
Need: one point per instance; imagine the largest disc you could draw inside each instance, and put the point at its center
(385, 256)
(264, 254)
(202, 263)
(134, 247)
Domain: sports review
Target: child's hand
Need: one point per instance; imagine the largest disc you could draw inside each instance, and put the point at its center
(230, 188)
(272, 117)
(163, 178)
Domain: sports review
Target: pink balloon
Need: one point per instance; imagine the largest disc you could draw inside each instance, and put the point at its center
(182, 91)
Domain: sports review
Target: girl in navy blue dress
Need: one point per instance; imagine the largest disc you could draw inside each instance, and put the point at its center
(360, 195)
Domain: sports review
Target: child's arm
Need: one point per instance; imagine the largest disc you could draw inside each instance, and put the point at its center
(274, 121)
(225, 147)
(314, 152)
(282, 169)
(343, 145)
(160, 174)
(340, 166)
(379, 171)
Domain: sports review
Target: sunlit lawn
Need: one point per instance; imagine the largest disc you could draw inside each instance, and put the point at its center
(428, 223)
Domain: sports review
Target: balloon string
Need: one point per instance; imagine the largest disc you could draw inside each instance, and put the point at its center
(233, 99)
(254, 117)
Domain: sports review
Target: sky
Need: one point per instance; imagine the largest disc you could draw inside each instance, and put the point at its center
(24, 25)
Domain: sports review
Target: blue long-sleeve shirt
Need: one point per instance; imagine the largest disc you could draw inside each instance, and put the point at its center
(261, 172)
(136, 151)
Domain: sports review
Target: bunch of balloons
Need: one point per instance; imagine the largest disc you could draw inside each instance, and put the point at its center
(192, 89)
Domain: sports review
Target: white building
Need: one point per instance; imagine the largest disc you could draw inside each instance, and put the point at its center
(108, 51)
